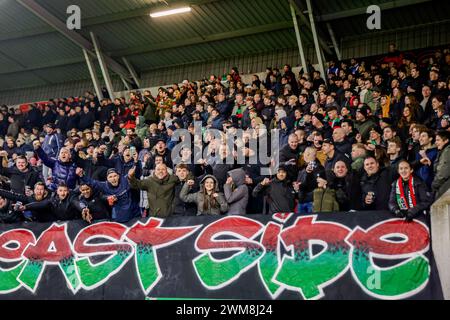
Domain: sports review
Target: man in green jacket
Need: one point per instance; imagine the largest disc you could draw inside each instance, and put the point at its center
(363, 122)
(160, 190)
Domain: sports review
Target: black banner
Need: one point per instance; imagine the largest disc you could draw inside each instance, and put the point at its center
(359, 255)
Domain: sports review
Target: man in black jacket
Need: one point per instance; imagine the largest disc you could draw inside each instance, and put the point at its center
(180, 207)
(332, 154)
(289, 157)
(375, 184)
(22, 176)
(62, 206)
(40, 193)
(280, 192)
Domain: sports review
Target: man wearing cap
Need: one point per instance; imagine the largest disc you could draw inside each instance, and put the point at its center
(332, 154)
(118, 192)
(160, 149)
(363, 122)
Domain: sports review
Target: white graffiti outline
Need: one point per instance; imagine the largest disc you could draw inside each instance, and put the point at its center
(21, 260)
(156, 247)
(85, 256)
(409, 257)
(239, 251)
(33, 290)
(278, 251)
(290, 249)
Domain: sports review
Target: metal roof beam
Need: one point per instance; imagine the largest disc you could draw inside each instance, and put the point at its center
(363, 10)
(73, 36)
(167, 45)
(107, 18)
(205, 39)
(306, 22)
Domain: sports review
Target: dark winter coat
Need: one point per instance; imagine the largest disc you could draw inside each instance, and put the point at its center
(423, 198)
(280, 194)
(20, 179)
(309, 182)
(124, 209)
(348, 190)
(183, 208)
(61, 171)
(60, 210)
(39, 214)
(378, 184)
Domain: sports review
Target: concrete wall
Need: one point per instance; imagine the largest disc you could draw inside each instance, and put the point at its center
(440, 234)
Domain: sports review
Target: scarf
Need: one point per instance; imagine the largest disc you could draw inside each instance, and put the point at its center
(403, 203)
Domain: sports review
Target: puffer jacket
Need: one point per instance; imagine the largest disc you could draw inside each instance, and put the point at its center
(61, 171)
(441, 182)
(52, 144)
(237, 195)
(200, 198)
(325, 200)
(180, 207)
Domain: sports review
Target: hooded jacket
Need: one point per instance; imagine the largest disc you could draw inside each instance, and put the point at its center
(237, 193)
(377, 183)
(348, 190)
(21, 179)
(201, 199)
(141, 128)
(180, 207)
(97, 206)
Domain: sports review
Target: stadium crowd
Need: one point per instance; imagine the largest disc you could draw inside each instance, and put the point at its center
(366, 136)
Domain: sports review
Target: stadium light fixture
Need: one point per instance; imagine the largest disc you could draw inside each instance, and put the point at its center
(170, 12)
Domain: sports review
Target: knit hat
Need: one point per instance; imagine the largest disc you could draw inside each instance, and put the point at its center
(364, 110)
(111, 170)
(319, 116)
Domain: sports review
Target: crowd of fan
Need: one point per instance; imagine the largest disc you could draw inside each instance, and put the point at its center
(364, 137)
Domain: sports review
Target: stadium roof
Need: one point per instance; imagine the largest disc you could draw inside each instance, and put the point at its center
(36, 49)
